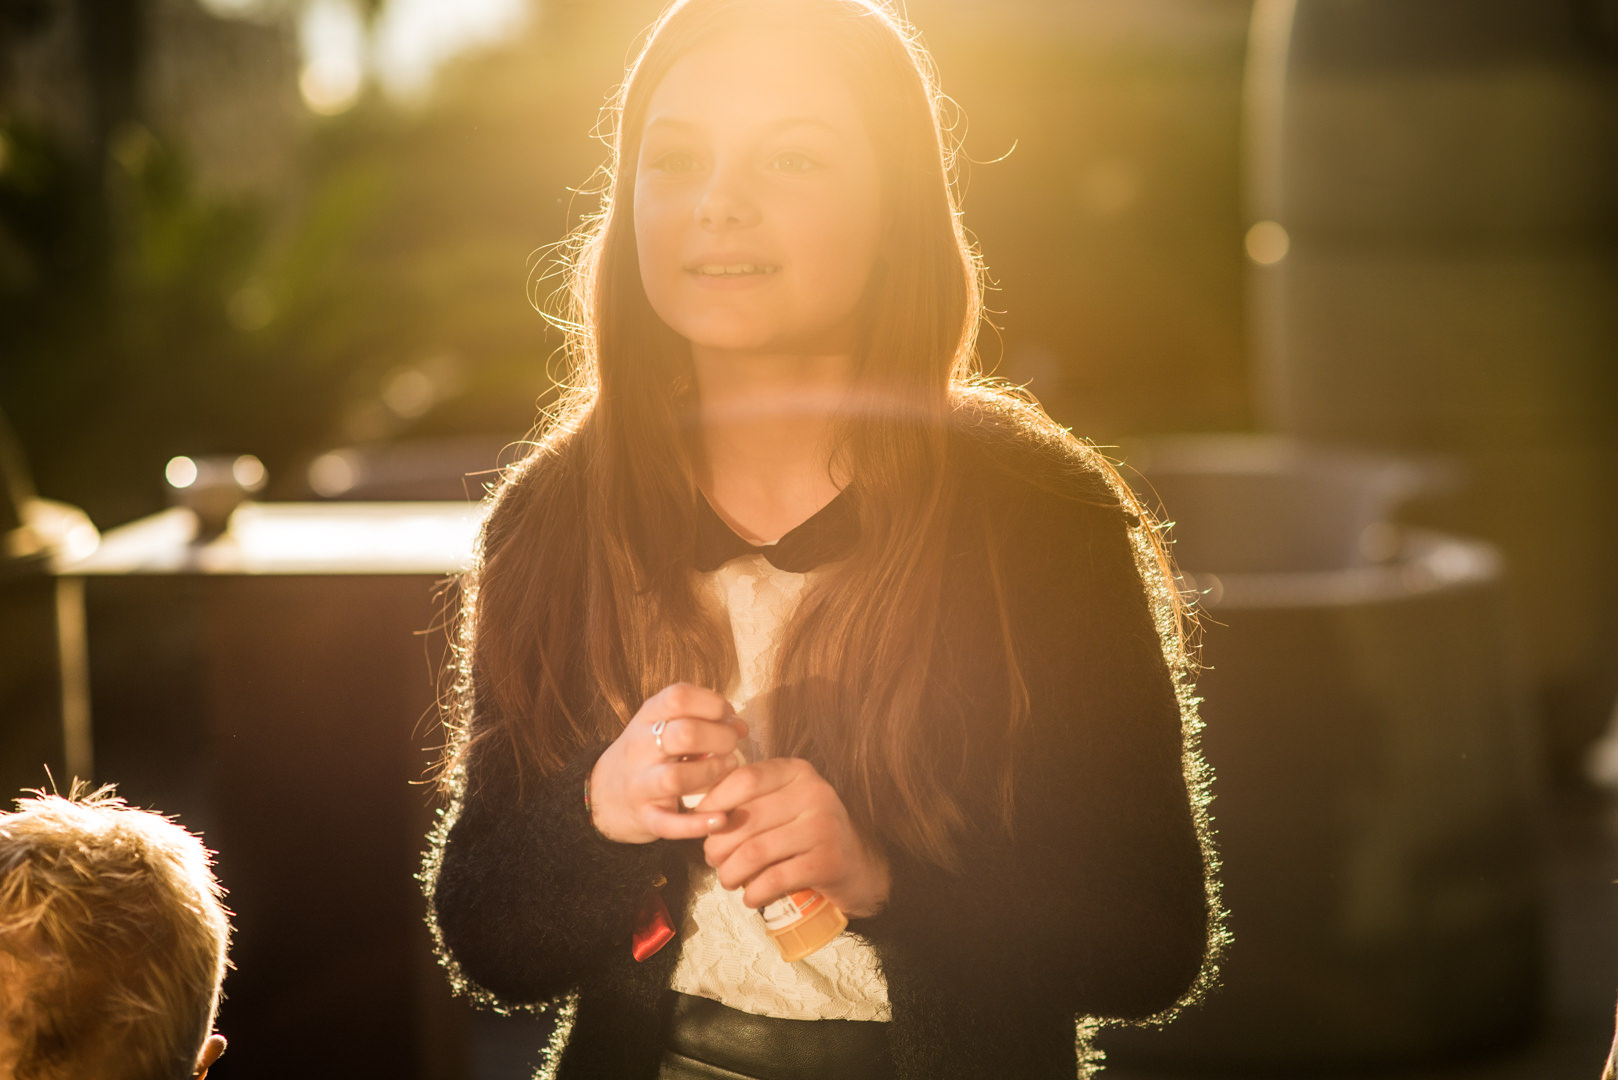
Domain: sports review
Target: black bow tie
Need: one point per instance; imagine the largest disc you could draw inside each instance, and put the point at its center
(826, 536)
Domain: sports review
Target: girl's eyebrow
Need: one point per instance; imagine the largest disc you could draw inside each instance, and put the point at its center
(671, 122)
(774, 127)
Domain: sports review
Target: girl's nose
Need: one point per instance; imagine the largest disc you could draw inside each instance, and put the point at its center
(726, 202)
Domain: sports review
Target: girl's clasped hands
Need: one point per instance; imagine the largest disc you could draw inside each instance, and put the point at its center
(768, 827)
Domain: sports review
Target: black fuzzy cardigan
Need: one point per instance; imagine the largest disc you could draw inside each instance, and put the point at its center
(1098, 905)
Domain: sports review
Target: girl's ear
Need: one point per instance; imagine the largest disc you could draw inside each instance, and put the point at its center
(211, 1051)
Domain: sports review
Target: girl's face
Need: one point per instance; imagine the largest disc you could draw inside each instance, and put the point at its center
(758, 203)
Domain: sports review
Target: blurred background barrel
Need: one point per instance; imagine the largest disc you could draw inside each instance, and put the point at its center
(1435, 215)
(1379, 790)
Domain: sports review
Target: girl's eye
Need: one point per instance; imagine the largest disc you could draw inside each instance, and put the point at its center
(675, 161)
(793, 162)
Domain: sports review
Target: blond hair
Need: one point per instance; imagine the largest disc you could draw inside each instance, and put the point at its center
(112, 917)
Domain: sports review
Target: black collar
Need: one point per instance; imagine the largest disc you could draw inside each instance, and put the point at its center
(828, 535)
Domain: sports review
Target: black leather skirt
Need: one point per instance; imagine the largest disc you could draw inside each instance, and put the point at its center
(709, 1041)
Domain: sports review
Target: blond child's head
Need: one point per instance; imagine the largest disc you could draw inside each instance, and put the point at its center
(112, 942)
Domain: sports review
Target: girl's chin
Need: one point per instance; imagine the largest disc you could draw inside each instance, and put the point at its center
(733, 343)
(770, 346)
(753, 337)
(722, 335)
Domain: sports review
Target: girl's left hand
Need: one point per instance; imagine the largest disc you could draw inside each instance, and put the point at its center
(786, 829)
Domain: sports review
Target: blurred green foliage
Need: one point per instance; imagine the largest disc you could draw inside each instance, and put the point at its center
(385, 293)
(119, 349)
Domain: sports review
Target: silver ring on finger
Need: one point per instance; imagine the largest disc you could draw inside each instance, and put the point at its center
(657, 736)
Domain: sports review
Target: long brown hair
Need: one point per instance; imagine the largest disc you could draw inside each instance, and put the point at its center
(585, 577)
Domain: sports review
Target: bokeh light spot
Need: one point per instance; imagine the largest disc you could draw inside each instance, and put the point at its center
(409, 394)
(180, 472)
(248, 471)
(329, 86)
(1267, 243)
(333, 38)
(331, 475)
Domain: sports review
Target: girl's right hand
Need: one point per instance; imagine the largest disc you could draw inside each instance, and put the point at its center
(635, 787)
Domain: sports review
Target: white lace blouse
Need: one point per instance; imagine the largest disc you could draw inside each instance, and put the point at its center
(725, 954)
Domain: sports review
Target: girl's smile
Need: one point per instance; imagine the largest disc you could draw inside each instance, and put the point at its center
(757, 197)
(728, 270)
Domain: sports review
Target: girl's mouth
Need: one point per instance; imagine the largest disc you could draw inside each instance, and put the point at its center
(731, 270)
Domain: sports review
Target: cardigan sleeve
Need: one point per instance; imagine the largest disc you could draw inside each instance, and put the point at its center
(1095, 902)
(528, 897)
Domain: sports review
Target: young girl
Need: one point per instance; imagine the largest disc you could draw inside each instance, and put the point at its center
(780, 514)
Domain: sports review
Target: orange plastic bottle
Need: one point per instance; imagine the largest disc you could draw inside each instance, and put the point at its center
(798, 923)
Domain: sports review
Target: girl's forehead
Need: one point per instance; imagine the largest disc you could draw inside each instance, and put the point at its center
(755, 77)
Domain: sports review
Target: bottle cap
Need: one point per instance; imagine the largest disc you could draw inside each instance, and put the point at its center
(817, 926)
